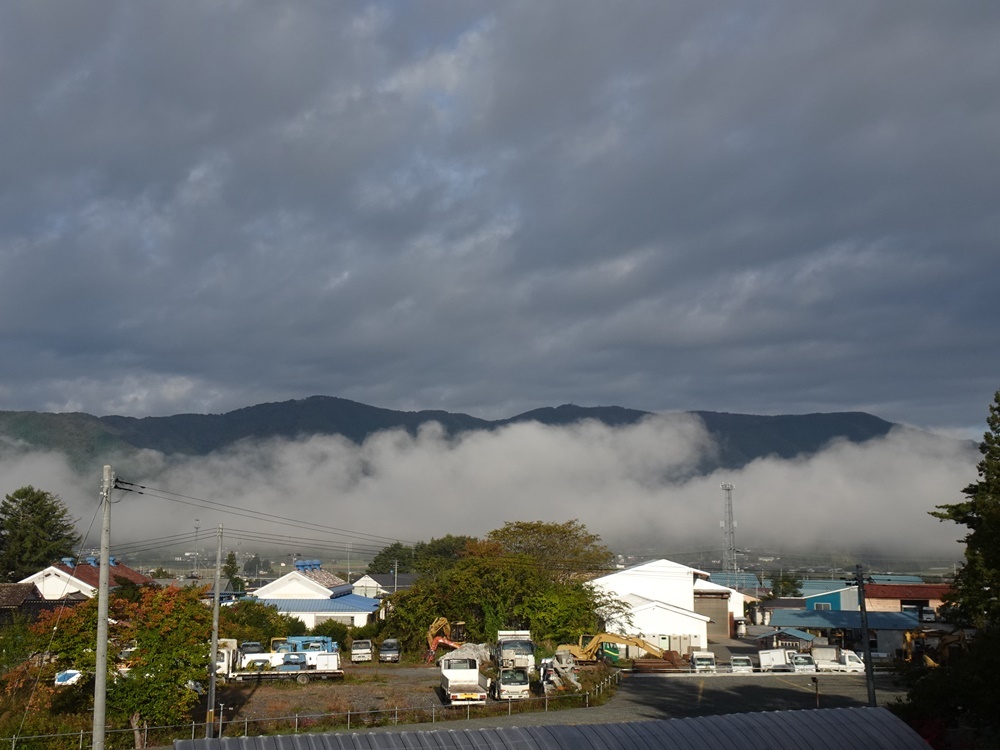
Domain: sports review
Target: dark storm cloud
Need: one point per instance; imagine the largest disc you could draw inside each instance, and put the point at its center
(782, 207)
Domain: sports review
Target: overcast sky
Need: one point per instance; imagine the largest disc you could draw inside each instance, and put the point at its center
(767, 207)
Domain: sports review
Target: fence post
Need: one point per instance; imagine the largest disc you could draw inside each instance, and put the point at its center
(586, 700)
(348, 720)
(546, 702)
(192, 730)
(468, 711)
(296, 723)
(432, 713)
(396, 719)
(246, 727)
(81, 739)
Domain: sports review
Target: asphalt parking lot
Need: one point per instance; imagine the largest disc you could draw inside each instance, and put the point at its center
(645, 696)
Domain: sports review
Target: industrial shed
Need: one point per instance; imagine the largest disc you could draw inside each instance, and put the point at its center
(833, 729)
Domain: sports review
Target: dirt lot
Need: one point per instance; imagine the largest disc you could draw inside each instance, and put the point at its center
(364, 689)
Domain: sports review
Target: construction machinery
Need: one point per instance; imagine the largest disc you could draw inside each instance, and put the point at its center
(444, 633)
(591, 648)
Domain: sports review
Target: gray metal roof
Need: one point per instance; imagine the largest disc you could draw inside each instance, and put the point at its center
(826, 729)
(816, 618)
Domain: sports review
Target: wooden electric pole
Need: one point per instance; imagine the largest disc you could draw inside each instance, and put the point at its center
(214, 658)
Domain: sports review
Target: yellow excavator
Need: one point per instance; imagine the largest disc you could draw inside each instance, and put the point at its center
(591, 647)
(444, 633)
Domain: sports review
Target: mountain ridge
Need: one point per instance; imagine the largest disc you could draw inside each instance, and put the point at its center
(85, 438)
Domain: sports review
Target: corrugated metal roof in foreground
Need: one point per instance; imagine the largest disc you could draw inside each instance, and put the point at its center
(833, 729)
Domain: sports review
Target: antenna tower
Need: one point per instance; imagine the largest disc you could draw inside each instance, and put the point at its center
(729, 529)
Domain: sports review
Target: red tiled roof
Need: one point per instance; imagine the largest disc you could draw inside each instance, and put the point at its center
(907, 590)
(90, 574)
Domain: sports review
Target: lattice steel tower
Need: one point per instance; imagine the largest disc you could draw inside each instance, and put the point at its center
(729, 529)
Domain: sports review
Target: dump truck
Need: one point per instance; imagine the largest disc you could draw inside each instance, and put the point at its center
(515, 649)
(461, 681)
(703, 661)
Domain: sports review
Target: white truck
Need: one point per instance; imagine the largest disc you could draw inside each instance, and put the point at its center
(740, 663)
(785, 660)
(461, 681)
(836, 659)
(515, 649)
(362, 651)
(703, 661)
(301, 666)
(512, 684)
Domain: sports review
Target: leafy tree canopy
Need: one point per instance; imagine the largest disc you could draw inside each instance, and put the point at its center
(784, 584)
(565, 551)
(429, 558)
(35, 531)
(397, 556)
(491, 589)
(157, 645)
(231, 572)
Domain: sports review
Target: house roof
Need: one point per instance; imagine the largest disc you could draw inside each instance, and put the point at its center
(842, 619)
(888, 578)
(813, 586)
(16, 594)
(90, 574)
(793, 632)
(735, 580)
(388, 581)
(654, 567)
(349, 603)
(703, 586)
(907, 591)
(826, 729)
(638, 603)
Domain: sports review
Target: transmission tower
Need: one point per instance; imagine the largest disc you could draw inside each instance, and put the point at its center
(729, 529)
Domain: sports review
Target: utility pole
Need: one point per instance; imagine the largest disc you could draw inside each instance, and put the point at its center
(729, 531)
(214, 659)
(101, 654)
(869, 667)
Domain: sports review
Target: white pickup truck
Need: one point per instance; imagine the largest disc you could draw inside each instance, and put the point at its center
(834, 659)
(462, 682)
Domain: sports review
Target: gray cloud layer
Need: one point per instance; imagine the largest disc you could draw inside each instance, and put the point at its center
(630, 485)
(487, 207)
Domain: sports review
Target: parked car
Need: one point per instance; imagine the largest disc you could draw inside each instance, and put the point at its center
(389, 650)
(740, 664)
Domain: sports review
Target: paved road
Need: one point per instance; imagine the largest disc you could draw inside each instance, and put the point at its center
(642, 697)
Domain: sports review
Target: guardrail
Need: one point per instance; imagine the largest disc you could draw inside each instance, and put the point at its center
(124, 739)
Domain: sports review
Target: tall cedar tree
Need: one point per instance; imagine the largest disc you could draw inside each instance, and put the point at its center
(955, 704)
(976, 598)
(35, 531)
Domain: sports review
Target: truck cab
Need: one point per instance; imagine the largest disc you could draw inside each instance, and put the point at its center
(512, 683)
(703, 661)
(740, 664)
(361, 651)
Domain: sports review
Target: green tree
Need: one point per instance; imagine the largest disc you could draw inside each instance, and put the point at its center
(784, 584)
(429, 558)
(975, 600)
(231, 572)
(566, 551)
(388, 558)
(958, 698)
(35, 531)
(169, 629)
(491, 590)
